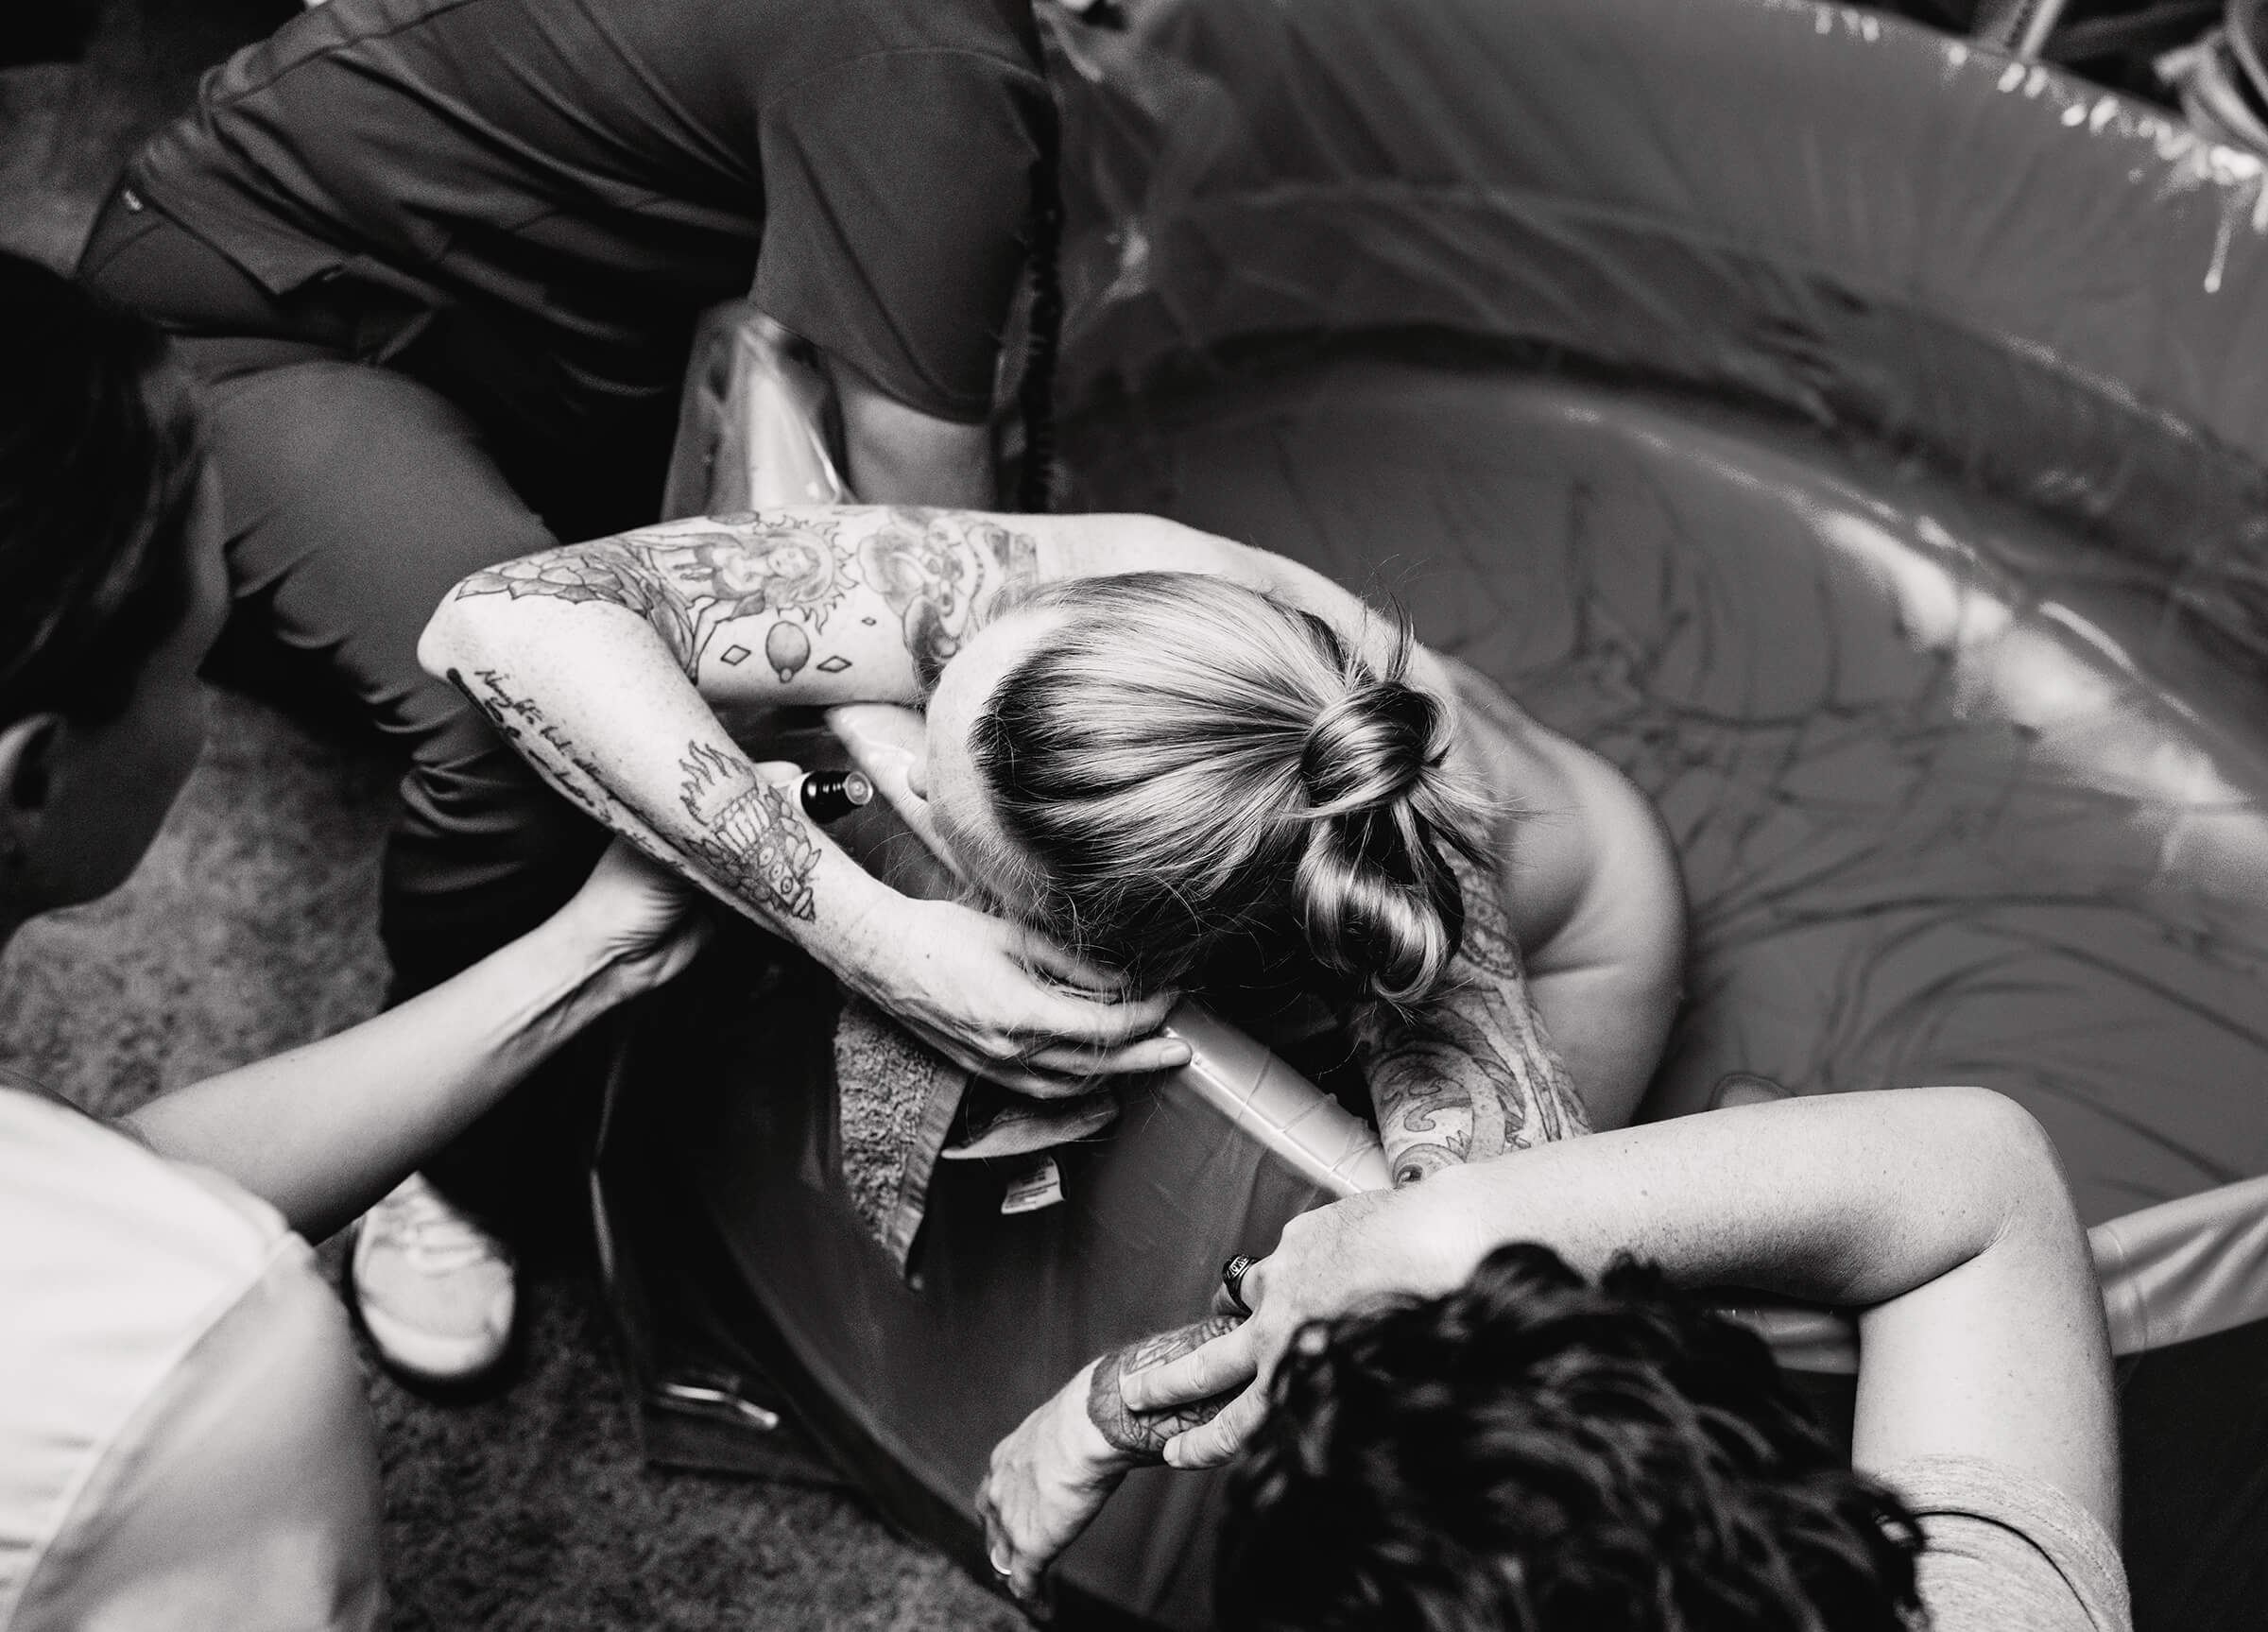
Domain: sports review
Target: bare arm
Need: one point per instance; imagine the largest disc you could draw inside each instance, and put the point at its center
(323, 1131)
(900, 455)
(1607, 975)
(1941, 1214)
(1471, 1073)
(1050, 1477)
(592, 661)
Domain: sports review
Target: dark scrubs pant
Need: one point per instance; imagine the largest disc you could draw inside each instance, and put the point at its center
(371, 453)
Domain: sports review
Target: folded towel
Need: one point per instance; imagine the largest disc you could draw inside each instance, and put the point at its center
(897, 1098)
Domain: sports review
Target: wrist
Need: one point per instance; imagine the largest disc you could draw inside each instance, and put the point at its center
(850, 928)
(1080, 1440)
(576, 964)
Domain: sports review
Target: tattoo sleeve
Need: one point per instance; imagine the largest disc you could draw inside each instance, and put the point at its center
(814, 606)
(792, 588)
(748, 836)
(1141, 1434)
(940, 571)
(1471, 1073)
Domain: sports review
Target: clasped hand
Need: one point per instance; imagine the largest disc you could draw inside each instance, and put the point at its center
(1329, 1263)
(1049, 1478)
(1005, 1002)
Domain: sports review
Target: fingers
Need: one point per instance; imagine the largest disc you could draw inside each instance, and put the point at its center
(1022, 1574)
(1049, 956)
(1210, 1444)
(1031, 1084)
(1252, 1286)
(1076, 1064)
(1027, 1581)
(1215, 1367)
(1066, 1017)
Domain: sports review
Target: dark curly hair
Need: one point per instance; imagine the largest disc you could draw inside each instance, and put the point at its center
(99, 462)
(1535, 1453)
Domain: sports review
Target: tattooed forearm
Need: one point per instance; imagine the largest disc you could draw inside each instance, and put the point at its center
(522, 723)
(748, 836)
(1141, 1434)
(1471, 1074)
(557, 759)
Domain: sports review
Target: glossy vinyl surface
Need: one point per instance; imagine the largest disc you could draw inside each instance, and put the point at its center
(1951, 804)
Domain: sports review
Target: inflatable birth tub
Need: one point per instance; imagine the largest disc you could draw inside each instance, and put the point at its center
(1860, 438)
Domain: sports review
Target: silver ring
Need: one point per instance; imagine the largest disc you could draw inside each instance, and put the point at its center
(1233, 1281)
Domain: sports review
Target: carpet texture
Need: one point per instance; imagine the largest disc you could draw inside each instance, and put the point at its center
(250, 928)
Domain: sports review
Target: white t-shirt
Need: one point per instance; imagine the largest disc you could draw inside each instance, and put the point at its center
(185, 1444)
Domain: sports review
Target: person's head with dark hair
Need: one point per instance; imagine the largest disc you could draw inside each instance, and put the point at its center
(1533, 1453)
(109, 589)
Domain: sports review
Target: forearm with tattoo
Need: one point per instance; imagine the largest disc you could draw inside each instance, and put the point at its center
(746, 837)
(521, 721)
(1141, 1434)
(1471, 1073)
(777, 606)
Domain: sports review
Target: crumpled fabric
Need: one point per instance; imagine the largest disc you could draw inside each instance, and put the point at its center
(896, 1102)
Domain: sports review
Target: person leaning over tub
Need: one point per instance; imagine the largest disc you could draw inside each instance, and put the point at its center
(1144, 741)
(185, 1442)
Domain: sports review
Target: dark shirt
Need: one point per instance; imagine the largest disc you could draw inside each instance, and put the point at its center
(604, 169)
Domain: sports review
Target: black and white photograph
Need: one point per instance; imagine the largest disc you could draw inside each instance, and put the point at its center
(1133, 816)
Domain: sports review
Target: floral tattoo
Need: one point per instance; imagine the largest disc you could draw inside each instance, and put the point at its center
(935, 571)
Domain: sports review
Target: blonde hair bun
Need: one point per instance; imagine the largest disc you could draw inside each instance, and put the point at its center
(1373, 893)
(1183, 760)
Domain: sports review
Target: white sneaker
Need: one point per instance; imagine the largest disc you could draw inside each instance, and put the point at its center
(435, 1291)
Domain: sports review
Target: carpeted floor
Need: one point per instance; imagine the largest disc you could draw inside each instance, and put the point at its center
(250, 928)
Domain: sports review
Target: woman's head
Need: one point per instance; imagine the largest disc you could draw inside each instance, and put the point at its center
(1168, 761)
(109, 589)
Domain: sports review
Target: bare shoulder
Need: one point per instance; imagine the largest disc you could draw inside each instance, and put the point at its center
(1585, 861)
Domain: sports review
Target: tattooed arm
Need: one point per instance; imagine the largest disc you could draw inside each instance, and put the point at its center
(593, 661)
(587, 660)
(1052, 1476)
(772, 607)
(1471, 1073)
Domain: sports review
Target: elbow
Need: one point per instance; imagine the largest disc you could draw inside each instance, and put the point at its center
(451, 641)
(2010, 1155)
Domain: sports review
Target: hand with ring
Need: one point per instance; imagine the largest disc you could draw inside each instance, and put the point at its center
(1232, 1284)
(1047, 1481)
(1328, 1262)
